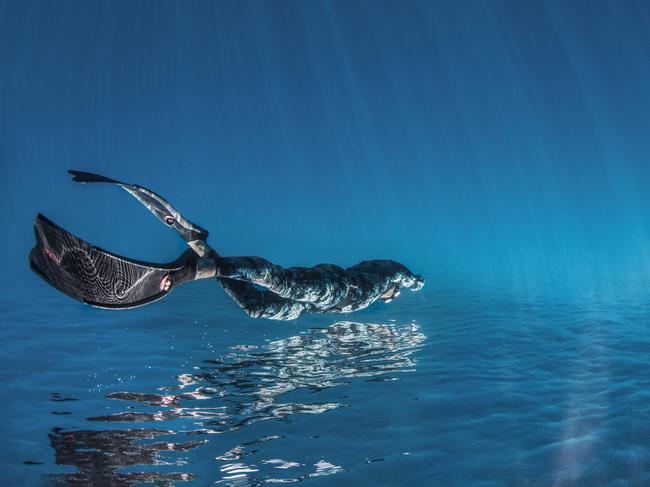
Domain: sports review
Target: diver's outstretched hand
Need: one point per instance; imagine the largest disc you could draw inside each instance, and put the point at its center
(193, 234)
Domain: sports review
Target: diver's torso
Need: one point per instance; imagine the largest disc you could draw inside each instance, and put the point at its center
(365, 282)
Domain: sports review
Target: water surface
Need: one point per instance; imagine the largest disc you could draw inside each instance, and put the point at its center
(448, 387)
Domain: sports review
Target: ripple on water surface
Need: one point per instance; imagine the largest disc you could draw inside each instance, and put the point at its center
(250, 384)
(482, 389)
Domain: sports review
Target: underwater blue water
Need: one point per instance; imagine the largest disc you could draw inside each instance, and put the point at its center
(452, 387)
(500, 148)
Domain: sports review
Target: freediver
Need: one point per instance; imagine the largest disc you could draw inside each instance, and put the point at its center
(262, 289)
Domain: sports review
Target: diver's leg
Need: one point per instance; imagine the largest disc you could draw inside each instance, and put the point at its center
(262, 304)
(323, 285)
(256, 270)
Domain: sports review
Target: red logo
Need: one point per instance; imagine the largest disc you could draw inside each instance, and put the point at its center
(51, 255)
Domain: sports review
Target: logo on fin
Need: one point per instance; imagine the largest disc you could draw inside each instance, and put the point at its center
(52, 255)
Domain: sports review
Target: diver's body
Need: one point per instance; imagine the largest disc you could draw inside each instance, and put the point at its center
(325, 288)
(102, 279)
(287, 293)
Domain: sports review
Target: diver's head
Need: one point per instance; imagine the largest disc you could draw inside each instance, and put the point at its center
(418, 283)
(391, 292)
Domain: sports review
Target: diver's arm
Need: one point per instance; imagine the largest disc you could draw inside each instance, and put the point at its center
(161, 208)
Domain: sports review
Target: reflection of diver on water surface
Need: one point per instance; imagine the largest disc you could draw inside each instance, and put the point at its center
(102, 279)
(230, 393)
(247, 382)
(99, 454)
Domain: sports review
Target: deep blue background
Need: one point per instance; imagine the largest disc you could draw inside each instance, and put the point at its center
(501, 142)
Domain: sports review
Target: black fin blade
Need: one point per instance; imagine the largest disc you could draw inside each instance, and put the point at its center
(156, 204)
(93, 275)
(88, 177)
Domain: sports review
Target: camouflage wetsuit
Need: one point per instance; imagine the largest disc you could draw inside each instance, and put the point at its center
(325, 288)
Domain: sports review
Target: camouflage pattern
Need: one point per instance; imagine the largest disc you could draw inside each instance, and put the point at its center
(325, 288)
